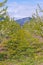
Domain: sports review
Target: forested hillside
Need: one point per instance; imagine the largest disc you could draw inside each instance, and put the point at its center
(20, 45)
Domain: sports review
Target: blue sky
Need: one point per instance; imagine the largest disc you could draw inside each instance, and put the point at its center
(22, 8)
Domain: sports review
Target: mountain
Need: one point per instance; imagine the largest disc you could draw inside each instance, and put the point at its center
(1, 19)
(23, 20)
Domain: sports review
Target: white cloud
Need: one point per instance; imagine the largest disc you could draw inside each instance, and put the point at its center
(21, 10)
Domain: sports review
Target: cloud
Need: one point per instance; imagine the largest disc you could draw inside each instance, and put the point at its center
(21, 10)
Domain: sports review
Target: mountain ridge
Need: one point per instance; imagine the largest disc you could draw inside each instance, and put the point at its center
(23, 20)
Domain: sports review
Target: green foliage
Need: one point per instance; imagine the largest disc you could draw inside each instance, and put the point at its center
(35, 26)
(21, 43)
(3, 12)
(3, 3)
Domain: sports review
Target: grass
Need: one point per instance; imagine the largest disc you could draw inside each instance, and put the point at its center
(26, 61)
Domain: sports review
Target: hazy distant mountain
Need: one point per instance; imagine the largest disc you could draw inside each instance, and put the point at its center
(23, 20)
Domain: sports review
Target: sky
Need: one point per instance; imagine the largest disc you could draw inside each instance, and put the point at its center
(22, 8)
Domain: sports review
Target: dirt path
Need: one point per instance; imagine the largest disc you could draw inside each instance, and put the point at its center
(40, 64)
(38, 37)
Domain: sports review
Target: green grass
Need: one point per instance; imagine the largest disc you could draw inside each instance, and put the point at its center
(26, 61)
